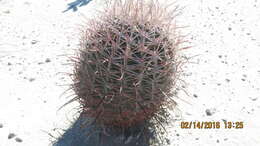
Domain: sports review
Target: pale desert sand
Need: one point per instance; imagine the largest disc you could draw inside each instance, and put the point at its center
(223, 78)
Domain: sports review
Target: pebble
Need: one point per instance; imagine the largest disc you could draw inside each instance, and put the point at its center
(1, 125)
(225, 139)
(34, 42)
(48, 60)
(227, 80)
(253, 99)
(195, 95)
(31, 79)
(17, 139)
(210, 112)
(11, 135)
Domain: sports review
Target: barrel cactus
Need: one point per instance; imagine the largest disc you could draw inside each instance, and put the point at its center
(128, 65)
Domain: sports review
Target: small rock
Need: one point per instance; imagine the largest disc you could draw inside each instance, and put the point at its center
(48, 60)
(217, 141)
(195, 95)
(9, 63)
(210, 112)
(229, 28)
(197, 138)
(34, 42)
(11, 135)
(1, 125)
(225, 139)
(31, 79)
(17, 139)
(243, 79)
(227, 80)
(253, 99)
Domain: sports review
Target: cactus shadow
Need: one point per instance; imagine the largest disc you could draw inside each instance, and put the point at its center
(94, 135)
(75, 4)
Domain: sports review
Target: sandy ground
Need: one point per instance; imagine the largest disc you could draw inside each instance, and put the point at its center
(223, 79)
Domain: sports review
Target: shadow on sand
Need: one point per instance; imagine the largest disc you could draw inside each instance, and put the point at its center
(94, 135)
(75, 4)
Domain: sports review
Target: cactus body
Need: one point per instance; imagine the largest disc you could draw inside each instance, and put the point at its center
(127, 65)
